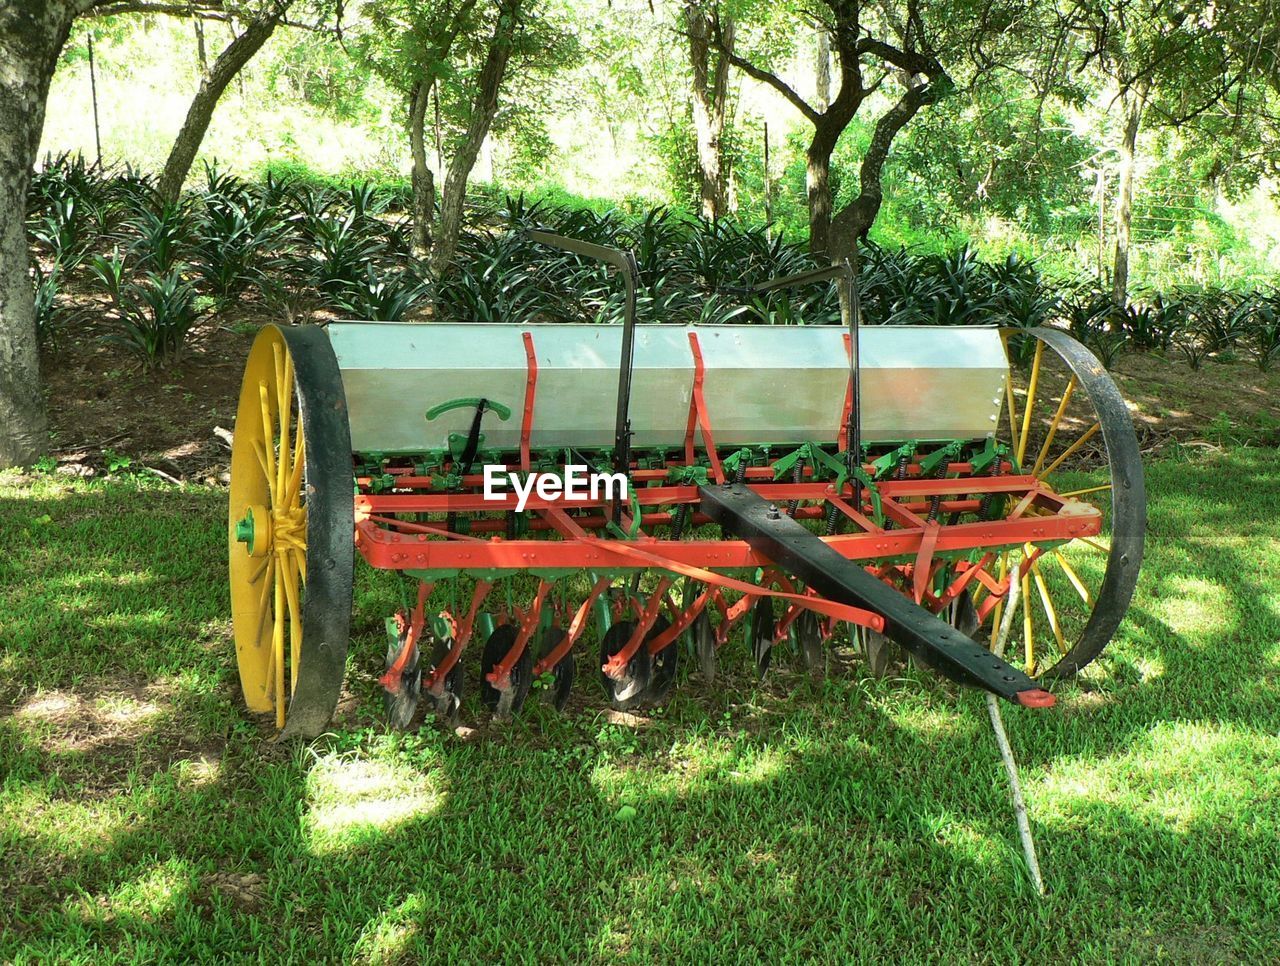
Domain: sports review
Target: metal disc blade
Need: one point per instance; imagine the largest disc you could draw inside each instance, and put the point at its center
(401, 704)
(665, 664)
(762, 629)
(628, 692)
(704, 646)
(510, 700)
(448, 703)
(809, 640)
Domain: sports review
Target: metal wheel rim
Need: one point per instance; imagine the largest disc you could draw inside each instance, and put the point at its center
(1127, 526)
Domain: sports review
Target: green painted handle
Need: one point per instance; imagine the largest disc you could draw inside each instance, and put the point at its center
(470, 402)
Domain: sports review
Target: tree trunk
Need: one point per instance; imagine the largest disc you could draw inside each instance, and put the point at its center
(424, 182)
(818, 182)
(483, 109)
(32, 35)
(1134, 101)
(229, 63)
(855, 220)
(710, 101)
(823, 92)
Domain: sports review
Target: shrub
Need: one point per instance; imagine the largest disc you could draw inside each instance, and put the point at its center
(234, 245)
(382, 298)
(46, 299)
(156, 316)
(161, 236)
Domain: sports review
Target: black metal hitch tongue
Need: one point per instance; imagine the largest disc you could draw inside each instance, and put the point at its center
(787, 543)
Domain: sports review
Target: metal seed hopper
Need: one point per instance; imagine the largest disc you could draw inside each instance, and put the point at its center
(792, 487)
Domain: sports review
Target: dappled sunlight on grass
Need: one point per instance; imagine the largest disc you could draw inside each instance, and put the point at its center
(387, 937)
(1179, 775)
(354, 802)
(691, 767)
(150, 897)
(49, 828)
(1201, 607)
(202, 770)
(66, 721)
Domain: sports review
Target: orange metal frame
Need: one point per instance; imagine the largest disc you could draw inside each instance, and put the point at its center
(908, 551)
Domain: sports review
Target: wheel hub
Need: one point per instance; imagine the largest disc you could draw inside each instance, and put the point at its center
(254, 530)
(262, 530)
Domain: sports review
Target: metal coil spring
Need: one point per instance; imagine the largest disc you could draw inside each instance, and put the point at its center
(903, 462)
(833, 519)
(935, 501)
(797, 475)
(984, 508)
(678, 520)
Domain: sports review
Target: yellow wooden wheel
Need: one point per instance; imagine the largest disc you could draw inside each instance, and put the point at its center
(288, 522)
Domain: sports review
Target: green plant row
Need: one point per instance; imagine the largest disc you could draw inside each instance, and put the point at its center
(346, 247)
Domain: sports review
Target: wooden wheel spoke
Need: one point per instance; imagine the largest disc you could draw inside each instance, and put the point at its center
(256, 574)
(1046, 599)
(1054, 424)
(294, 483)
(277, 647)
(1012, 406)
(260, 451)
(268, 444)
(295, 623)
(1028, 625)
(284, 408)
(284, 378)
(1072, 576)
(1086, 490)
(999, 607)
(1032, 386)
(1072, 449)
(264, 596)
(284, 468)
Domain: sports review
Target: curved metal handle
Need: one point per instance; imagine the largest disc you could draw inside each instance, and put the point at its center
(471, 402)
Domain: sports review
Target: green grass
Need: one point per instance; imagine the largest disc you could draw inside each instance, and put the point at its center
(142, 815)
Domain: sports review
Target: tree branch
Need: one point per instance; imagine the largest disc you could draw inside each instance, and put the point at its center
(908, 60)
(763, 76)
(774, 81)
(216, 11)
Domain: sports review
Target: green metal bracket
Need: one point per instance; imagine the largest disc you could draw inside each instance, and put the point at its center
(990, 453)
(889, 460)
(839, 469)
(947, 454)
(742, 457)
(688, 475)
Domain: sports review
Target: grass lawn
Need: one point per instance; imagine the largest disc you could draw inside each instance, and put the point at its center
(143, 816)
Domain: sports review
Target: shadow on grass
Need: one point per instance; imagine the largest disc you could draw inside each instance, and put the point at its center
(855, 819)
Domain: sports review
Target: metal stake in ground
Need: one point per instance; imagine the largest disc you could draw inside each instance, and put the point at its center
(1006, 752)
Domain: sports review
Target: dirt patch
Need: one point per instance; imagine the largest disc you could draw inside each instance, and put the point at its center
(105, 408)
(1220, 403)
(243, 890)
